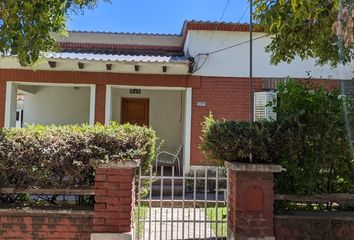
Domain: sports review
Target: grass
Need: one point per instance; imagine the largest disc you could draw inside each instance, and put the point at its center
(222, 216)
(142, 213)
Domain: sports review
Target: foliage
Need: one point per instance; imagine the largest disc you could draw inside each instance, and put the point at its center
(310, 139)
(314, 147)
(308, 29)
(26, 26)
(235, 141)
(57, 156)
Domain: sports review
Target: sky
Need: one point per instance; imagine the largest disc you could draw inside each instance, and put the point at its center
(156, 16)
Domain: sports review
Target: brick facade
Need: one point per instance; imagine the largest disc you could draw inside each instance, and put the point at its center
(100, 101)
(225, 97)
(27, 225)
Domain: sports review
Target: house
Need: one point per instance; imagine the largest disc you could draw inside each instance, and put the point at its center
(169, 82)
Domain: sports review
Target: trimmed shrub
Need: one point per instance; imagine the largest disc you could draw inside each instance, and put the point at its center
(63, 156)
(235, 141)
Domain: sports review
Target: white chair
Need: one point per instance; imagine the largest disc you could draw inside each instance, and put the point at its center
(164, 158)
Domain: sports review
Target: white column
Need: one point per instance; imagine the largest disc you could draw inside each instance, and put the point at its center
(187, 130)
(10, 105)
(108, 112)
(92, 104)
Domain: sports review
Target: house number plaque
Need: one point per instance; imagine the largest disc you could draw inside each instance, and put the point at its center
(201, 103)
(135, 91)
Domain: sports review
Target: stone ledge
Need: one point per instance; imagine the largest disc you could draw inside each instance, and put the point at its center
(252, 167)
(314, 216)
(46, 213)
(117, 164)
(111, 236)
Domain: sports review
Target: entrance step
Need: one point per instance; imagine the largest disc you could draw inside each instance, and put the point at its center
(167, 190)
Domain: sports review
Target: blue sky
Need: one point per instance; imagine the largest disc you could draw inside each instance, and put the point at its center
(155, 16)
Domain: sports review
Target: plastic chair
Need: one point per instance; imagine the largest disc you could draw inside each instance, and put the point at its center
(164, 158)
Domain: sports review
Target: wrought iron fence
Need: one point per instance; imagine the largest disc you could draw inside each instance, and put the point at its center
(191, 206)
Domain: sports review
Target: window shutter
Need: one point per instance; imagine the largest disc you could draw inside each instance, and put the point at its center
(261, 110)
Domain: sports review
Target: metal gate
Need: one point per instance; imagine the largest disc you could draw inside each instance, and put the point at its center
(190, 206)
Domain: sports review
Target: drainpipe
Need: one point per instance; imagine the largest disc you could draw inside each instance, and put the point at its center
(251, 65)
(251, 72)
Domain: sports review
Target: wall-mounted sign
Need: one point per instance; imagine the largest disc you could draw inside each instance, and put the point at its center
(135, 91)
(201, 103)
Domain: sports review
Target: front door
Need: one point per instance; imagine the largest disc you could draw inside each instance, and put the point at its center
(135, 111)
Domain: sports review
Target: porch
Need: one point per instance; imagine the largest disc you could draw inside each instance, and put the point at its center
(165, 109)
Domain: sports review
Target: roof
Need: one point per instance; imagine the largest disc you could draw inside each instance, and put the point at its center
(142, 43)
(120, 48)
(125, 33)
(119, 57)
(218, 26)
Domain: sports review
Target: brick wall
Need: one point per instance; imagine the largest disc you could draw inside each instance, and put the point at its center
(313, 226)
(226, 98)
(250, 200)
(26, 225)
(113, 212)
(114, 190)
(251, 215)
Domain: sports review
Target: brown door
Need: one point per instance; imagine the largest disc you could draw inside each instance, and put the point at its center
(135, 111)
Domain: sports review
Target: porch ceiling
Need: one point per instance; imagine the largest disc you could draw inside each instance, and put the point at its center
(101, 62)
(120, 58)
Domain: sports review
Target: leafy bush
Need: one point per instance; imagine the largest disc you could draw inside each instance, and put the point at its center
(311, 139)
(315, 143)
(41, 156)
(235, 141)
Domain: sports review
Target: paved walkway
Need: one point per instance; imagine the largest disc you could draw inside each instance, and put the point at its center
(169, 225)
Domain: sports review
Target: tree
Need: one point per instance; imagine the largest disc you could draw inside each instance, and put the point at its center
(321, 29)
(27, 26)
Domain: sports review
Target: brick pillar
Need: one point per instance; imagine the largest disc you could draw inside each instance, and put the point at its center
(100, 107)
(114, 202)
(250, 202)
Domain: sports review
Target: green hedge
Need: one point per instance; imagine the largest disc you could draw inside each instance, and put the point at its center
(57, 156)
(235, 141)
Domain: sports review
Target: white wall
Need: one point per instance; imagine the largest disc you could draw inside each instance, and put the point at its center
(235, 61)
(166, 112)
(57, 105)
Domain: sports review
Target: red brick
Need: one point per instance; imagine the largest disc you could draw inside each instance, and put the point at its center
(118, 221)
(100, 191)
(22, 225)
(120, 179)
(244, 220)
(126, 191)
(106, 185)
(100, 177)
(105, 229)
(126, 200)
(99, 221)
(124, 229)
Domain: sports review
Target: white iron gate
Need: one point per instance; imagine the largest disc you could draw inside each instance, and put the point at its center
(191, 206)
